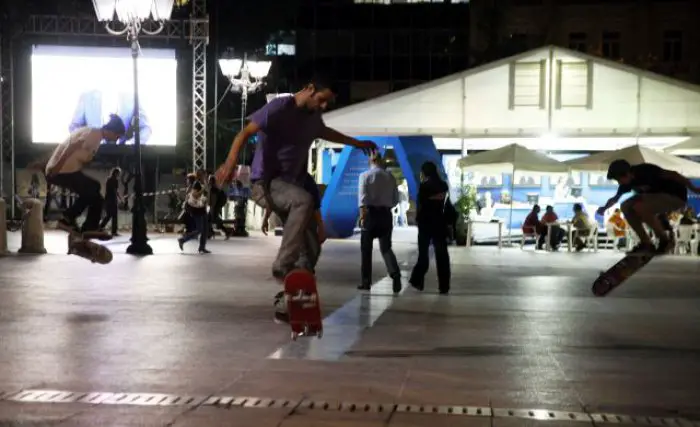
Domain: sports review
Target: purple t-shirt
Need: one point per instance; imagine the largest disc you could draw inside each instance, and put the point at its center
(285, 137)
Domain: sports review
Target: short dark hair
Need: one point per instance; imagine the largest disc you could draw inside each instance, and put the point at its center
(321, 81)
(430, 170)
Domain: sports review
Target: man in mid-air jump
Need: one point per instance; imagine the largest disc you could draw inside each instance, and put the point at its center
(286, 127)
(658, 192)
(65, 169)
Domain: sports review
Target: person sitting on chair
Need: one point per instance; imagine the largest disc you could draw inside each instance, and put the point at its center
(582, 227)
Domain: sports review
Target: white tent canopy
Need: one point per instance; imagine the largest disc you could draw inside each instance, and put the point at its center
(635, 155)
(689, 146)
(510, 158)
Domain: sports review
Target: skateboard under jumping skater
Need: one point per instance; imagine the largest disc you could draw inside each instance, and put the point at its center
(80, 244)
(303, 304)
(619, 273)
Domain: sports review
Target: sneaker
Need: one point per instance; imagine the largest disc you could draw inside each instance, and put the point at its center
(181, 244)
(642, 249)
(204, 251)
(419, 286)
(396, 284)
(281, 315)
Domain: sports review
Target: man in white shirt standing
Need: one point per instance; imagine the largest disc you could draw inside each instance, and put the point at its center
(65, 169)
(378, 194)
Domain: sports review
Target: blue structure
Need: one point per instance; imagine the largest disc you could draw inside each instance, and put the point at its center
(339, 206)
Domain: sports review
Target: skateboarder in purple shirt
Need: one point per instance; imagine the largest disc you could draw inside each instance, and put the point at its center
(286, 127)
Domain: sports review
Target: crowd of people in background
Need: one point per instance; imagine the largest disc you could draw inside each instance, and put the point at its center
(549, 226)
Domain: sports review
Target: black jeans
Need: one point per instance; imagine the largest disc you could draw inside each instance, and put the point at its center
(556, 237)
(111, 213)
(437, 235)
(89, 197)
(379, 224)
(200, 223)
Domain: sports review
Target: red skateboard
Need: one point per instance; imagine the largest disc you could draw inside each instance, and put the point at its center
(619, 273)
(303, 304)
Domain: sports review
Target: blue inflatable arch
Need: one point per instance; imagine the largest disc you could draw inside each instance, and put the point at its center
(339, 206)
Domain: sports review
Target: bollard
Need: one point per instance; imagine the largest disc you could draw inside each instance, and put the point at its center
(33, 227)
(3, 227)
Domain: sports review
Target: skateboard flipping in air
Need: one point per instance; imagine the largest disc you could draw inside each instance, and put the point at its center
(80, 244)
(620, 272)
(303, 304)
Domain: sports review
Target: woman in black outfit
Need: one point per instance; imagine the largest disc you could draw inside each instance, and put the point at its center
(432, 228)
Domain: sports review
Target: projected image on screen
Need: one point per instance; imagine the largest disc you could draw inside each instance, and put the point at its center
(73, 87)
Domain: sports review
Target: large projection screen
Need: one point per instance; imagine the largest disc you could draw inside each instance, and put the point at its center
(73, 87)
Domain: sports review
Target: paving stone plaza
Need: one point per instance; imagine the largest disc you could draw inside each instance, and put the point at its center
(188, 340)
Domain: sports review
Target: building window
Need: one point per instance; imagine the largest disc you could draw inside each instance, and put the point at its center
(578, 41)
(611, 45)
(527, 84)
(673, 46)
(574, 81)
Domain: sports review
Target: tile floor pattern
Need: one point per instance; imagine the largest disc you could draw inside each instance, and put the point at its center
(520, 330)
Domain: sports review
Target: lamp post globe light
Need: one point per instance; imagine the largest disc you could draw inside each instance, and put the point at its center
(246, 77)
(129, 16)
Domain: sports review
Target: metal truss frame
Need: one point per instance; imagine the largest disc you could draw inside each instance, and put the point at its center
(195, 30)
(199, 38)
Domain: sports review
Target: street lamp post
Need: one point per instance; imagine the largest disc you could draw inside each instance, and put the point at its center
(245, 77)
(132, 14)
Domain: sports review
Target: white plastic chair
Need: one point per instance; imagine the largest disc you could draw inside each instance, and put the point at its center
(615, 239)
(685, 236)
(532, 234)
(592, 238)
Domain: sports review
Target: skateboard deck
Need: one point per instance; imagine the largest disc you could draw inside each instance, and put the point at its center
(619, 273)
(303, 304)
(79, 244)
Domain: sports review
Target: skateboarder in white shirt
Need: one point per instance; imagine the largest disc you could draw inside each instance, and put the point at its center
(65, 169)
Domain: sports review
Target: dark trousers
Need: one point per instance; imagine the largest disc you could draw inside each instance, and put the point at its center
(89, 197)
(437, 236)
(379, 224)
(557, 235)
(111, 213)
(200, 229)
(215, 220)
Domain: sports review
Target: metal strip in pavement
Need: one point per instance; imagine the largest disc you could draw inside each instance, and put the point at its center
(344, 327)
(250, 402)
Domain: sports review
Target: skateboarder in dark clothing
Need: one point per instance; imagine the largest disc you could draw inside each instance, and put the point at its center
(657, 193)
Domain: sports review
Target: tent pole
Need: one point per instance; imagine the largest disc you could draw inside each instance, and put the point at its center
(510, 215)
